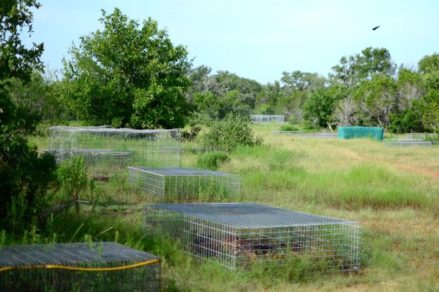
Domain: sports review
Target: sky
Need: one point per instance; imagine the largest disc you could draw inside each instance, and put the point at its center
(256, 39)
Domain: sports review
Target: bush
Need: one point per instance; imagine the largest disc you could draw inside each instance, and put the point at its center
(73, 179)
(190, 134)
(25, 176)
(212, 160)
(289, 127)
(230, 133)
(432, 137)
(409, 120)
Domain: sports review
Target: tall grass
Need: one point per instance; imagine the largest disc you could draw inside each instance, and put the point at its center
(392, 193)
(279, 172)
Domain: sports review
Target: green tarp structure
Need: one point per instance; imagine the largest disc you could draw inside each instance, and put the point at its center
(376, 133)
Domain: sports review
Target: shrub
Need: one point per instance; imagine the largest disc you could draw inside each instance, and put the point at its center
(289, 127)
(73, 179)
(190, 134)
(212, 160)
(432, 137)
(230, 133)
(25, 176)
(409, 120)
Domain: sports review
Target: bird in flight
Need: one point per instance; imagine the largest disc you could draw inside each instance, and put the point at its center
(376, 27)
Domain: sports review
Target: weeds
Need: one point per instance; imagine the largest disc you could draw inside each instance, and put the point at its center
(358, 180)
(73, 179)
(212, 160)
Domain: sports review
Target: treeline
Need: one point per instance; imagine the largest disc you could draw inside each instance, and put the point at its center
(129, 74)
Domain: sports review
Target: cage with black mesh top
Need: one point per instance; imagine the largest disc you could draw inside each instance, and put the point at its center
(103, 266)
(267, 118)
(185, 184)
(108, 151)
(238, 234)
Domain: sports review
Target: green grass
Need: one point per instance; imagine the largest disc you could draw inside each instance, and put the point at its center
(212, 160)
(392, 192)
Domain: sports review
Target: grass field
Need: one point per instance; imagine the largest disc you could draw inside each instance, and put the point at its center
(392, 191)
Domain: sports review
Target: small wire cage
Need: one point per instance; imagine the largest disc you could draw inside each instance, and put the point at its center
(267, 118)
(184, 184)
(104, 266)
(321, 135)
(407, 142)
(107, 151)
(237, 234)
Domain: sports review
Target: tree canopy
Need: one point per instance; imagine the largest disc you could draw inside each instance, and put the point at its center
(128, 75)
(371, 61)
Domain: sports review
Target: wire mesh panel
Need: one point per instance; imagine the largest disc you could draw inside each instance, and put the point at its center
(308, 135)
(236, 234)
(407, 142)
(267, 118)
(184, 184)
(107, 151)
(104, 266)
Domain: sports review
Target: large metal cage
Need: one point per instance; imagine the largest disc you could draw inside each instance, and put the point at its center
(267, 118)
(104, 266)
(107, 151)
(185, 184)
(237, 234)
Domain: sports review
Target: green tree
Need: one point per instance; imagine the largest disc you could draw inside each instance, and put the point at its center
(429, 64)
(41, 96)
(128, 75)
(25, 176)
(247, 89)
(16, 60)
(409, 119)
(430, 111)
(354, 69)
(429, 105)
(298, 80)
(297, 88)
(376, 99)
(407, 115)
(222, 94)
(269, 98)
(319, 107)
(362, 82)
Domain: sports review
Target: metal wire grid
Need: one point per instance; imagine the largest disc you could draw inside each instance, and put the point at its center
(107, 150)
(183, 184)
(27, 268)
(267, 118)
(230, 238)
(308, 135)
(407, 142)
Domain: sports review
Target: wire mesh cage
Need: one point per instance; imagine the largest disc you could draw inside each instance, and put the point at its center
(407, 142)
(237, 234)
(107, 151)
(184, 184)
(104, 266)
(267, 118)
(322, 135)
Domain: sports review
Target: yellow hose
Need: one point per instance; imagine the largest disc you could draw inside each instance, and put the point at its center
(85, 269)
